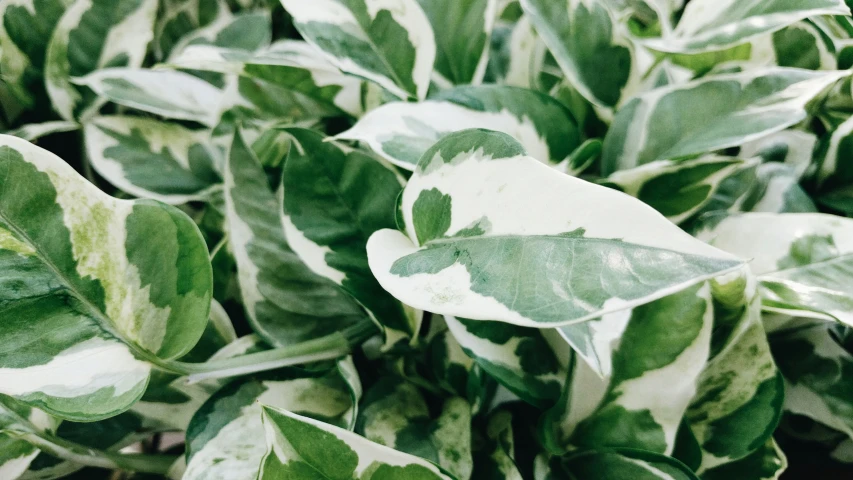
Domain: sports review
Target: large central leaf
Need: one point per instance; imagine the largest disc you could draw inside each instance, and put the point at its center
(89, 282)
(495, 235)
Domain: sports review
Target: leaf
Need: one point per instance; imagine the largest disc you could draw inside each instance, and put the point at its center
(817, 370)
(291, 64)
(803, 261)
(389, 42)
(152, 159)
(766, 463)
(517, 55)
(402, 132)
(521, 359)
(463, 30)
(24, 34)
(91, 35)
(777, 190)
(625, 463)
(34, 131)
(588, 44)
(739, 398)
(15, 456)
(223, 437)
(175, 95)
(675, 189)
(178, 18)
(286, 302)
(248, 30)
(656, 364)
(395, 414)
(333, 199)
(89, 288)
(655, 126)
(481, 246)
(710, 25)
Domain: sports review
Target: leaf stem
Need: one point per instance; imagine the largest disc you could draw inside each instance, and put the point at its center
(328, 347)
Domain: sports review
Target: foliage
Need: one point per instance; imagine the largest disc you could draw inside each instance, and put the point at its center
(425, 239)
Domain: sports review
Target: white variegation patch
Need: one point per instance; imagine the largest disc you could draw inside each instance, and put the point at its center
(595, 340)
(34, 131)
(312, 254)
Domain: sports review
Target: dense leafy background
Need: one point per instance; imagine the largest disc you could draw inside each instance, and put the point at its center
(426, 239)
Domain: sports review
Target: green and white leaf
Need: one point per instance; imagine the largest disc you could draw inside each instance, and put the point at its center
(152, 159)
(708, 25)
(401, 132)
(389, 42)
(16, 454)
(333, 199)
(766, 463)
(740, 392)
(675, 189)
(652, 378)
(777, 190)
(484, 241)
(291, 64)
(286, 302)
(223, 439)
(589, 45)
(170, 94)
(518, 57)
(463, 31)
(625, 463)
(395, 414)
(818, 371)
(725, 111)
(803, 261)
(292, 452)
(247, 30)
(792, 147)
(91, 35)
(34, 131)
(178, 18)
(530, 362)
(85, 277)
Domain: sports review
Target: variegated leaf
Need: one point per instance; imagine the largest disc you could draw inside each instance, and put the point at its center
(777, 190)
(395, 414)
(739, 398)
(292, 452)
(766, 463)
(594, 53)
(16, 453)
(15, 456)
(529, 362)
(333, 199)
(285, 300)
(495, 453)
(834, 175)
(795, 148)
(675, 189)
(224, 439)
(517, 55)
(290, 64)
(25, 29)
(85, 277)
(803, 261)
(402, 132)
(725, 110)
(709, 25)
(166, 93)
(148, 158)
(623, 463)
(463, 31)
(34, 131)
(457, 374)
(248, 30)
(91, 35)
(180, 17)
(818, 373)
(495, 235)
(389, 42)
(652, 377)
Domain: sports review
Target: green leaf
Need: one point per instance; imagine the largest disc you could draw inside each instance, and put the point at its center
(402, 132)
(91, 35)
(656, 364)
(395, 414)
(333, 199)
(178, 18)
(290, 64)
(285, 300)
(387, 42)
(152, 159)
(463, 30)
(588, 44)
(766, 463)
(712, 25)
(675, 189)
(625, 463)
(803, 261)
(483, 237)
(725, 110)
(223, 439)
(294, 451)
(247, 30)
(89, 288)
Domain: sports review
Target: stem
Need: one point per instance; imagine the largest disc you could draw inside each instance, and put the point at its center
(329, 347)
(92, 457)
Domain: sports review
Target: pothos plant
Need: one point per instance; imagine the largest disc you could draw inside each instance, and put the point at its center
(425, 239)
